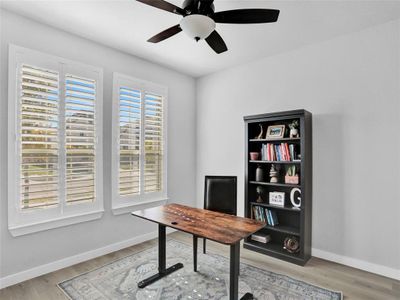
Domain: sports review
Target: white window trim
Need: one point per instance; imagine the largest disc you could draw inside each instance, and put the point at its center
(25, 222)
(126, 204)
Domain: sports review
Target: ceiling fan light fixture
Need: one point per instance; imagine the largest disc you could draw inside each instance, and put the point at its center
(197, 27)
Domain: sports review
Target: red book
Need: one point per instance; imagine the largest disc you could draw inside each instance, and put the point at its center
(288, 151)
(283, 152)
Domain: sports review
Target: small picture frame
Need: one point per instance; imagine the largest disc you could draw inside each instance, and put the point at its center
(275, 131)
(277, 198)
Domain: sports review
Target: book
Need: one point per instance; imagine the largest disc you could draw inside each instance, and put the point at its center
(267, 216)
(255, 213)
(289, 157)
(278, 157)
(261, 237)
(262, 214)
(274, 217)
(272, 223)
(278, 152)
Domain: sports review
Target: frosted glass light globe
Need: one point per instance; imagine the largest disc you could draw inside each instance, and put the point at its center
(197, 27)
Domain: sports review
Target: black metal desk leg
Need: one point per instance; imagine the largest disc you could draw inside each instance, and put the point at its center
(194, 253)
(234, 272)
(161, 248)
(162, 270)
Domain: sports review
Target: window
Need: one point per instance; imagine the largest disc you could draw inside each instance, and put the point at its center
(139, 138)
(55, 155)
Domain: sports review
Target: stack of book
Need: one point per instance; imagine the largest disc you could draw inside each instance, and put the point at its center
(261, 237)
(265, 215)
(276, 152)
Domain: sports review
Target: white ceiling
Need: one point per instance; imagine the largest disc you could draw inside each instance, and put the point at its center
(127, 24)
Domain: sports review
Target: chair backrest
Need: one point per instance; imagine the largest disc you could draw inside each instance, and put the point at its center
(220, 194)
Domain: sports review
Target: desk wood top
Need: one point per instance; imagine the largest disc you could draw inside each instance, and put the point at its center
(219, 227)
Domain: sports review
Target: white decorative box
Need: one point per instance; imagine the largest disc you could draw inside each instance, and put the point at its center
(277, 198)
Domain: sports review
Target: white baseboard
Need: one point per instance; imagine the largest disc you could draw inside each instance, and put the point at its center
(72, 260)
(75, 259)
(357, 263)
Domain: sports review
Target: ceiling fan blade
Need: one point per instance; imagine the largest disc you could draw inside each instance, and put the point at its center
(246, 16)
(167, 33)
(164, 5)
(215, 41)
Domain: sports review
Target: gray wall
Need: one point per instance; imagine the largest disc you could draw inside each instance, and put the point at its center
(351, 85)
(24, 252)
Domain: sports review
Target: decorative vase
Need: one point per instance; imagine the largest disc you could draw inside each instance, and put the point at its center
(254, 155)
(261, 134)
(294, 132)
(259, 191)
(259, 174)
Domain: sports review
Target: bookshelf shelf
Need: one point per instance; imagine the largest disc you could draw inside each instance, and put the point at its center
(274, 162)
(276, 207)
(294, 223)
(286, 140)
(285, 229)
(275, 184)
(274, 250)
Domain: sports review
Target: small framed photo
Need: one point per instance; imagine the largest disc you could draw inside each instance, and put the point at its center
(277, 198)
(276, 131)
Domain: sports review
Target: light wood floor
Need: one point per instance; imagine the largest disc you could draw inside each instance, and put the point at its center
(354, 284)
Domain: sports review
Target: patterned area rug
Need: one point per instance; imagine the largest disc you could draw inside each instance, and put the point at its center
(118, 280)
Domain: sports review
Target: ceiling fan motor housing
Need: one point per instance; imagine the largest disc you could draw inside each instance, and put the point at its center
(204, 7)
(197, 26)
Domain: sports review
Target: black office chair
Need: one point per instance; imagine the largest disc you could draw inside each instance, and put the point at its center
(219, 195)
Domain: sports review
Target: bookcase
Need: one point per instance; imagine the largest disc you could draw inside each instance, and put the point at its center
(270, 143)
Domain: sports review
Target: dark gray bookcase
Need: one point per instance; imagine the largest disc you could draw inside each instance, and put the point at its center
(292, 222)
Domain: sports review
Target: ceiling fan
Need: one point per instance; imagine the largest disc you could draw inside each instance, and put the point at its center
(199, 20)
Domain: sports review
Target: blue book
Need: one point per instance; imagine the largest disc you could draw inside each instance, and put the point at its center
(255, 212)
(259, 214)
(270, 217)
(278, 155)
(274, 217)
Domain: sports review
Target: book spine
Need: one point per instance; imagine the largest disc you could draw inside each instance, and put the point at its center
(291, 152)
(271, 152)
(262, 152)
(287, 152)
(268, 218)
(271, 218)
(283, 151)
(275, 216)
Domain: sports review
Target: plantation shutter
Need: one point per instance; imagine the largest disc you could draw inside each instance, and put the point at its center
(38, 136)
(80, 138)
(153, 142)
(129, 141)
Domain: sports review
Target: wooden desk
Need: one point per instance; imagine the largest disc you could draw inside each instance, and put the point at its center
(219, 227)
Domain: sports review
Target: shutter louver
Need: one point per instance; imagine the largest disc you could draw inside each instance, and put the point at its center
(153, 143)
(80, 139)
(129, 141)
(39, 126)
